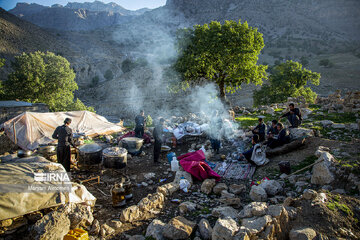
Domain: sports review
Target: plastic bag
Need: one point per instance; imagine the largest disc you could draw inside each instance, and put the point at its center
(184, 184)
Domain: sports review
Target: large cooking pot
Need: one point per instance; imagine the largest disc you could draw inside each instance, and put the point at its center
(90, 154)
(114, 157)
(24, 153)
(132, 144)
(46, 149)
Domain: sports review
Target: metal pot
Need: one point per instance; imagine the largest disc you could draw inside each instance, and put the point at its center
(114, 157)
(132, 144)
(24, 153)
(90, 154)
(46, 149)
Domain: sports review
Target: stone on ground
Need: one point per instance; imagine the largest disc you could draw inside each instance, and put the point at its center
(155, 230)
(207, 186)
(187, 207)
(219, 188)
(256, 224)
(253, 209)
(309, 194)
(237, 188)
(258, 194)
(205, 229)
(322, 174)
(224, 229)
(178, 228)
(302, 234)
(271, 187)
(223, 212)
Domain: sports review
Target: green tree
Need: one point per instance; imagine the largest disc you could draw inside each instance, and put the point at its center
(42, 78)
(108, 75)
(288, 79)
(225, 54)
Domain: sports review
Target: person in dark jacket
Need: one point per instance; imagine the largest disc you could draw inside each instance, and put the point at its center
(140, 124)
(273, 131)
(294, 116)
(247, 154)
(64, 136)
(158, 131)
(260, 130)
(282, 138)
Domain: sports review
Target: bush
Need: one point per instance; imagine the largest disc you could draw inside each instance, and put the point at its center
(108, 75)
(288, 79)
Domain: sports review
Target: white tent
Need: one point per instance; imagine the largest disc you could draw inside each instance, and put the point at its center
(32, 128)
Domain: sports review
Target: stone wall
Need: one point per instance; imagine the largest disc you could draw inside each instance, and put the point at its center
(8, 112)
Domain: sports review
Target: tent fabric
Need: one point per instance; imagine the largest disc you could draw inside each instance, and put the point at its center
(33, 129)
(19, 172)
(194, 163)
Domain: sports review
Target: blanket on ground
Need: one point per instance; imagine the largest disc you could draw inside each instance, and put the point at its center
(194, 163)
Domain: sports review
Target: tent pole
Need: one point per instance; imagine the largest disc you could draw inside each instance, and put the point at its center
(15, 138)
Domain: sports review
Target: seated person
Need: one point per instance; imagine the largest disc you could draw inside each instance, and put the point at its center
(248, 153)
(281, 139)
(294, 116)
(260, 130)
(272, 132)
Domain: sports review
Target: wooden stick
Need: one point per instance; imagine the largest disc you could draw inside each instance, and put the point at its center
(90, 179)
(305, 167)
(15, 138)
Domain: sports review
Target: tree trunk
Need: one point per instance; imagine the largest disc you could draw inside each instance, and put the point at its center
(223, 95)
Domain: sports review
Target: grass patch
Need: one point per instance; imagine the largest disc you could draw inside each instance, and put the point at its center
(336, 117)
(335, 205)
(307, 161)
(314, 107)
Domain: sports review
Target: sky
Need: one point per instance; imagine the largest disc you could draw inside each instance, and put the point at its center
(128, 4)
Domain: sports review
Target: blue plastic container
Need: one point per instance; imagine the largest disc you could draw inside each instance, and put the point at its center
(170, 156)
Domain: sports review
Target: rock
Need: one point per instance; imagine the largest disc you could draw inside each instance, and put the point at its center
(178, 228)
(241, 235)
(205, 229)
(54, 225)
(225, 194)
(223, 212)
(80, 216)
(253, 209)
(288, 202)
(271, 187)
(115, 224)
(106, 230)
(297, 133)
(283, 176)
(168, 189)
(148, 176)
(270, 111)
(34, 216)
(302, 234)
(6, 223)
(321, 171)
(256, 224)
(231, 201)
(219, 188)
(237, 188)
(155, 230)
(258, 194)
(338, 126)
(339, 191)
(95, 228)
(130, 214)
(309, 194)
(207, 186)
(326, 123)
(136, 237)
(275, 210)
(187, 207)
(224, 229)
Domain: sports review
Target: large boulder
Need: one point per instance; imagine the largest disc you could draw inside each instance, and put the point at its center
(302, 234)
(309, 194)
(271, 187)
(178, 228)
(253, 209)
(258, 194)
(80, 216)
(207, 186)
(223, 212)
(130, 214)
(205, 229)
(155, 230)
(322, 173)
(297, 133)
(54, 225)
(256, 224)
(224, 229)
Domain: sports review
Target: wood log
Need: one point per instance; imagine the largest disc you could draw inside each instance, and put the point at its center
(292, 146)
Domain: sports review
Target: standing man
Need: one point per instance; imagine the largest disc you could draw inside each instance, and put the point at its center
(294, 116)
(140, 124)
(64, 136)
(158, 131)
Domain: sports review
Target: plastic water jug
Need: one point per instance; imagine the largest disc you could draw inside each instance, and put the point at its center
(174, 165)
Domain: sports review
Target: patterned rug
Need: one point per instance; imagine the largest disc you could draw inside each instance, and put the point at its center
(239, 171)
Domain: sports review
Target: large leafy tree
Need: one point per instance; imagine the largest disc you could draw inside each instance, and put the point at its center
(226, 54)
(288, 79)
(43, 77)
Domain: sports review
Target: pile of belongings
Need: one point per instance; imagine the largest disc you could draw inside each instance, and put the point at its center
(188, 128)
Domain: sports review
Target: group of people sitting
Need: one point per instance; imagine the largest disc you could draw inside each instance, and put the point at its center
(276, 135)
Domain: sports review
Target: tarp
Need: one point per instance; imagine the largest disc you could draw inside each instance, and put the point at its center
(17, 184)
(34, 128)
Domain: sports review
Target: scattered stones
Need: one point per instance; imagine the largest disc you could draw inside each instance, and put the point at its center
(178, 228)
(219, 188)
(326, 123)
(258, 194)
(207, 186)
(148, 176)
(338, 126)
(115, 224)
(271, 187)
(187, 207)
(205, 229)
(256, 224)
(95, 228)
(297, 133)
(302, 234)
(237, 188)
(223, 212)
(224, 229)
(155, 230)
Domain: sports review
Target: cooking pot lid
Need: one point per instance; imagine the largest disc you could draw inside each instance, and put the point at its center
(132, 139)
(114, 151)
(90, 148)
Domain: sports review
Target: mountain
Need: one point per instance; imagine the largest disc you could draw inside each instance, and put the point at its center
(98, 6)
